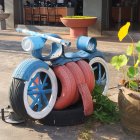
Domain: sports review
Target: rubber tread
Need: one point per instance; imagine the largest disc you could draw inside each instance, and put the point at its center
(16, 101)
(27, 67)
(72, 115)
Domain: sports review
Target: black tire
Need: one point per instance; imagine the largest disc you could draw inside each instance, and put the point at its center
(72, 115)
(17, 86)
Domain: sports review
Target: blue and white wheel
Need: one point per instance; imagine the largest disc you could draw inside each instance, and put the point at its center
(100, 69)
(36, 97)
(40, 93)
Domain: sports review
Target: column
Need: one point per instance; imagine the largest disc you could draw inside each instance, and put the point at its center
(94, 8)
(9, 8)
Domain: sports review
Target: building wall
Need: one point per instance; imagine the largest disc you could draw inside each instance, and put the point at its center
(9, 8)
(14, 7)
(98, 8)
(94, 8)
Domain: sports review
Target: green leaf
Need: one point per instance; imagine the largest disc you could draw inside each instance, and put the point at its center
(133, 85)
(138, 46)
(132, 72)
(129, 51)
(105, 110)
(119, 61)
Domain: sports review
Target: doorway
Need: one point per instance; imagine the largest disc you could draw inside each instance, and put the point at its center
(2, 3)
(122, 11)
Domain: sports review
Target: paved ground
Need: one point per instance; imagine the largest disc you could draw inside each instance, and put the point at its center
(11, 55)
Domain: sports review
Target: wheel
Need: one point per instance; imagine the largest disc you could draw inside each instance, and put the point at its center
(67, 87)
(100, 69)
(72, 115)
(36, 97)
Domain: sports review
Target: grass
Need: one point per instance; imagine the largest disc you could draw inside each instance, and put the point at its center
(105, 111)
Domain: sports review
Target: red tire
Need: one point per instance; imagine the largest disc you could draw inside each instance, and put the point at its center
(86, 98)
(78, 75)
(88, 74)
(82, 87)
(68, 87)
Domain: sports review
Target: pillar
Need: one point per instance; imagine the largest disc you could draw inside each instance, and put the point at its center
(94, 8)
(9, 8)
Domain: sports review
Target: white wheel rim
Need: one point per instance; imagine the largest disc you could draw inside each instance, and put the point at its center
(54, 89)
(104, 76)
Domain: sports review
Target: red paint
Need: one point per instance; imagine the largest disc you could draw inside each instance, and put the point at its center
(77, 26)
(88, 74)
(68, 87)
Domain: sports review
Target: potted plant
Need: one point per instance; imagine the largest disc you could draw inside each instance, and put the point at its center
(129, 95)
(78, 24)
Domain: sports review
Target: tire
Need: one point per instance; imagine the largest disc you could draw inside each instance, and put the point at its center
(100, 69)
(31, 99)
(72, 115)
(78, 75)
(82, 88)
(68, 87)
(88, 74)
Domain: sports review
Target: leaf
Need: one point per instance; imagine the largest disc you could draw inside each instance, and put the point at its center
(119, 61)
(137, 63)
(132, 72)
(123, 31)
(129, 51)
(138, 46)
(133, 85)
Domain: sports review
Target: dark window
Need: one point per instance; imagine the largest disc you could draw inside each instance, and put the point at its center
(2, 3)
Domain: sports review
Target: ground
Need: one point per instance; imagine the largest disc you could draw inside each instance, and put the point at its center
(11, 55)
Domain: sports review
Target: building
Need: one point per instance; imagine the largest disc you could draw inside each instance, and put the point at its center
(110, 13)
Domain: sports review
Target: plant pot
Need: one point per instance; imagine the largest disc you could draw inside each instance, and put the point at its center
(4, 16)
(129, 106)
(78, 26)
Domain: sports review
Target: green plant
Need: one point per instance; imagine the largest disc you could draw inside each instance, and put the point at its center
(105, 110)
(119, 62)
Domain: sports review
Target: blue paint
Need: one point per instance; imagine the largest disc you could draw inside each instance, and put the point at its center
(27, 67)
(37, 92)
(32, 43)
(87, 44)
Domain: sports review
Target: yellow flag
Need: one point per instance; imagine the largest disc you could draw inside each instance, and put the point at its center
(123, 31)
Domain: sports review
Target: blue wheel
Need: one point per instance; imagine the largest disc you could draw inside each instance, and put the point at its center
(36, 97)
(100, 69)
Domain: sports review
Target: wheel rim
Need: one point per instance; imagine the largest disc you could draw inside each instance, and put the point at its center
(101, 74)
(40, 93)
